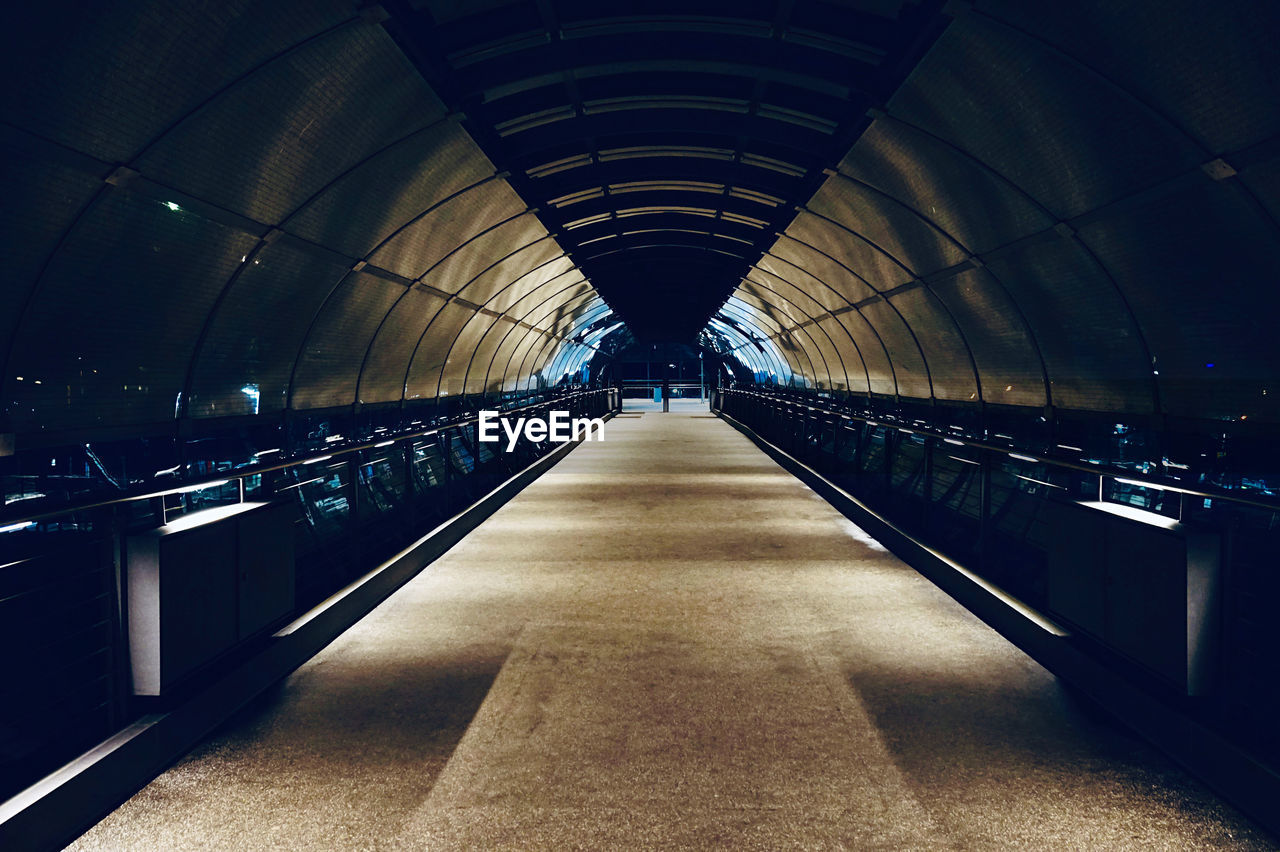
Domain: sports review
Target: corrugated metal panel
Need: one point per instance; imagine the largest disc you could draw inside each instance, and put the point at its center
(255, 335)
(823, 267)
(1210, 66)
(424, 243)
(277, 138)
(873, 265)
(908, 366)
(772, 323)
(489, 361)
(850, 355)
(519, 374)
(135, 284)
(500, 365)
(105, 78)
(1090, 345)
(872, 349)
(454, 379)
(968, 202)
(950, 366)
(42, 198)
(490, 282)
(368, 204)
(392, 348)
(505, 299)
(832, 349)
(1075, 143)
(429, 359)
(825, 296)
(460, 268)
(1190, 266)
(548, 315)
(330, 363)
(799, 296)
(890, 226)
(827, 365)
(453, 376)
(997, 336)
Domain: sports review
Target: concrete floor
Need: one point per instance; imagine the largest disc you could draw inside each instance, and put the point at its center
(668, 642)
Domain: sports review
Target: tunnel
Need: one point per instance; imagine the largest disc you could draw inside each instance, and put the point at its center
(456, 424)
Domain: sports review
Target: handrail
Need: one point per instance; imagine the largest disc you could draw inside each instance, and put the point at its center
(1038, 458)
(222, 476)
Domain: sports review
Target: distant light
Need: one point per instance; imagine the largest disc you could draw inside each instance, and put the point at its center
(1210, 366)
(1242, 416)
(317, 459)
(1008, 387)
(38, 381)
(385, 444)
(1023, 458)
(260, 453)
(1073, 449)
(19, 378)
(175, 208)
(251, 391)
(168, 470)
(954, 441)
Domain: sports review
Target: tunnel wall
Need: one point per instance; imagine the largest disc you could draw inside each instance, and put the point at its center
(241, 209)
(1058, 208)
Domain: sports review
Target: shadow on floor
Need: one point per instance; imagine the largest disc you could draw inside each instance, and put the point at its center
(1009, 744)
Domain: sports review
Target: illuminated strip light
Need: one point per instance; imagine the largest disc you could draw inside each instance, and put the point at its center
(15, 527)
(384, 444)
(317, 459)
(966, 461)
(298, 485)
(167, 470)
(1040, 482)
(1153, 486)
(199, 487)
(262, 453)
(1024, 458)
(953, 441)
(1073, 449)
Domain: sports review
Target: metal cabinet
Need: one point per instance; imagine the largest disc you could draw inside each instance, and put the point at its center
(203, 583)
(1144, 584)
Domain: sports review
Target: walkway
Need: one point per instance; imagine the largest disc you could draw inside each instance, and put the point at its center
(668, 642)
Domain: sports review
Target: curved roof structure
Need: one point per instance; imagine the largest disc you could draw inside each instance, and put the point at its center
(220, 210)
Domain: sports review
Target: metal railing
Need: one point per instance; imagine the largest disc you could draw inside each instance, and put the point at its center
(986, 507)
(61, 570)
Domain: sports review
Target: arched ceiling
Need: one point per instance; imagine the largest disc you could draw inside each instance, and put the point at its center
(665, 143)
(242, 208)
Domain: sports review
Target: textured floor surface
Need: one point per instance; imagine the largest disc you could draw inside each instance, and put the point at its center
(668, 642)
